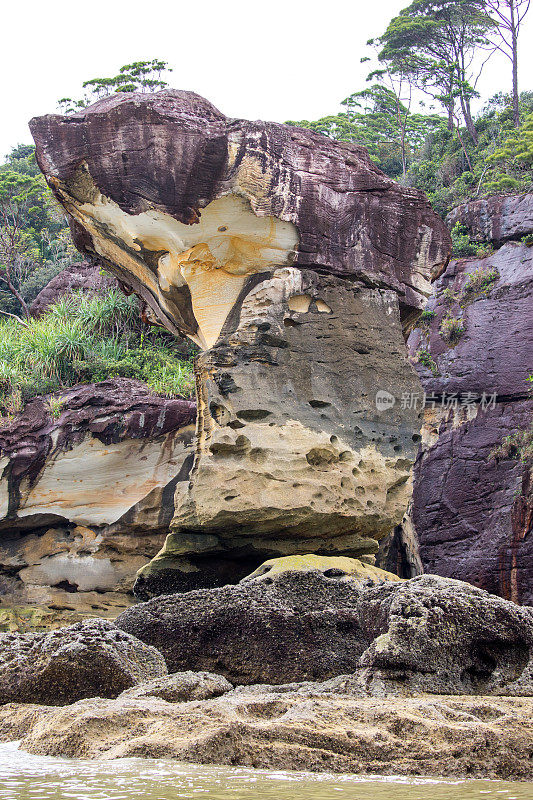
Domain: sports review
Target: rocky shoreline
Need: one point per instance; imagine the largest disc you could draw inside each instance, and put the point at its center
(314, 727)
(428, 676)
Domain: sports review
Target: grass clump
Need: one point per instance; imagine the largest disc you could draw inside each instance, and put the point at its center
(478, 283)
(451, 329)
(84, 339)
(425, 358)
(517, 446)
(426, 318)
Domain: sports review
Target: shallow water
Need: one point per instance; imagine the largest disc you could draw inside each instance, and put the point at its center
(27, 777)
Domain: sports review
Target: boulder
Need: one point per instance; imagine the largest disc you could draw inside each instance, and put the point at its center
(166, 188)
(427, 634)
(181, 687)
(338, 567)
(79, 276)
(86, 495)
(295, 265)
(496, 219)
(88, 659)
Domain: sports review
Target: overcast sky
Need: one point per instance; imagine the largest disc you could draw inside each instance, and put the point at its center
(273, 60)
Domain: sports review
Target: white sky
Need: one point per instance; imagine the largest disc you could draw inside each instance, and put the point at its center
(272, 60)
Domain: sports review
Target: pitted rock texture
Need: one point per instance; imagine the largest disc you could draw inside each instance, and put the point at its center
(88, 659)
(296, 265)
(181, 687)
(427, 634)
(314, 727)
(497, 219)
(79, 276)
(87, 497)
(472, 509)
(307, 464)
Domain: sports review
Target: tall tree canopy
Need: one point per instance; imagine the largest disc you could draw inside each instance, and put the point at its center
(436, 41)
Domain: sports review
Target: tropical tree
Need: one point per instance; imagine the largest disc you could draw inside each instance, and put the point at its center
(18, 253)
(437, 42)
(139, 76)
(508, 16)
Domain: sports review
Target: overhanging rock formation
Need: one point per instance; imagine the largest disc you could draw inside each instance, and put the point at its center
(293, 262)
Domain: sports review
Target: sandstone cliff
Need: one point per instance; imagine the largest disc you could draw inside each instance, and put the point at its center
(294, 263)
(472, 507)
(86, 496)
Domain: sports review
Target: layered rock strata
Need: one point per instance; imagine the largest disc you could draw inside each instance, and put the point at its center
(86, 496)
(472, 509)
(294, 263)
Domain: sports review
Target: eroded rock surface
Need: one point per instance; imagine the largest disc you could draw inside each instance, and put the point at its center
(472, 509)
(310, 727)
(86, 497)
(496, 219)
(426, 634)
(175, 195)
(294, 263)
(88, 659)
(180, 687)
(332, 567)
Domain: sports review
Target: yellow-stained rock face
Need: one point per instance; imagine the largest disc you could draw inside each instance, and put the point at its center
(338, 566)
(96, 484)
(199, 268)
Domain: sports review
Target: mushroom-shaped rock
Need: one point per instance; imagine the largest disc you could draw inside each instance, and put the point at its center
(294, 263)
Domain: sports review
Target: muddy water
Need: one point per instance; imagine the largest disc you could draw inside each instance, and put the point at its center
(26, 777)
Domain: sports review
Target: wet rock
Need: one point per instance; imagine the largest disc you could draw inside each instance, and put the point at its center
(88, 659)
(180, 687)
(444, 636)
(311, 728)
(426, 634)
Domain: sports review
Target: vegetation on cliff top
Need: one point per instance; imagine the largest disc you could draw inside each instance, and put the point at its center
(85, 338)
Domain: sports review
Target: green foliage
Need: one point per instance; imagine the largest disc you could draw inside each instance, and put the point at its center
(517, 446)
(140, 76)
(424, 357)
(34, 239)
(451, 329)
(462, 246)
(478, 283)
(84, 338)
(55, 404)
(426, 317)
(512, 161)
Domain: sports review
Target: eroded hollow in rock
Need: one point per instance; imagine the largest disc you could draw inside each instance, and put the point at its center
(198, 269)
